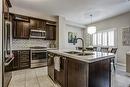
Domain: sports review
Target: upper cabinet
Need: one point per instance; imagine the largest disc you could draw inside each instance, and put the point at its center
(37, 24)
(50, 32)
(7, 5)
(21, 30)
(22, 25)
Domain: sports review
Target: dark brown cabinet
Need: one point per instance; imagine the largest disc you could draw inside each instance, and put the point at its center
(21, 30)
(50, 32)
(76, 73)
(33, 24)
(50, 64)
(16, 60)
(22, 25)
(24, 57)
(37, 24)
(21, 59)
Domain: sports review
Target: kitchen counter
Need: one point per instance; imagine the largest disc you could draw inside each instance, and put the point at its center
(96, 56)
(80, 71)
(28, 48)
(128, 53)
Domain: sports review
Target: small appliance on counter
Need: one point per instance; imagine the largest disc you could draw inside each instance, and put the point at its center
(38, 56)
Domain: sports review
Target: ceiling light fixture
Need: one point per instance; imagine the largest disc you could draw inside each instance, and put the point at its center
(91, 29)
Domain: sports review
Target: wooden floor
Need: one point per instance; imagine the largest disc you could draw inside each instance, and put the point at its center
(38, 78)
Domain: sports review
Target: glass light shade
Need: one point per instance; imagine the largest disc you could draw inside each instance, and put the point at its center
(91, 30)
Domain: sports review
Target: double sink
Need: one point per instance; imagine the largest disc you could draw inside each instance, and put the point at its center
(79, 53)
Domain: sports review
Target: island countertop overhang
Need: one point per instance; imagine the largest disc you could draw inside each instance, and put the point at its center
(97, 56)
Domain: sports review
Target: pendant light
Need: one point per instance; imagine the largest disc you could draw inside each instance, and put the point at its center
(91, 29)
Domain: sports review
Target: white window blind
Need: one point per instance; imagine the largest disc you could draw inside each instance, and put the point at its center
(94, 39)
(111, 38)
(104, 38)
(99, 38)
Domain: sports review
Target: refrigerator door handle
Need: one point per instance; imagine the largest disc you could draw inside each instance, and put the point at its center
(6, 64)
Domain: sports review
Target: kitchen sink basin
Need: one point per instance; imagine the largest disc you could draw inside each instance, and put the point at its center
(72, 52)
(85, 54)
(79, 53)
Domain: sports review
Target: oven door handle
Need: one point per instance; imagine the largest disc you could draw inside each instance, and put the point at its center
(7, 63)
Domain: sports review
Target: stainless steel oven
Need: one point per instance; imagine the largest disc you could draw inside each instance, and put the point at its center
(38, 57)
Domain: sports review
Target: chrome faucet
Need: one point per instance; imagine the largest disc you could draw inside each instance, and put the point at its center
(75, 40)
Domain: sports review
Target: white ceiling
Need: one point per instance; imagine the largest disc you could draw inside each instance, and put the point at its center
(76, 10)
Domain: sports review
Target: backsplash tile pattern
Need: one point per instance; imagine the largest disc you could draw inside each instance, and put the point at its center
(25, 44)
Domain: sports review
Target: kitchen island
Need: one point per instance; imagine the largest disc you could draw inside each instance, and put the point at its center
(77, 69)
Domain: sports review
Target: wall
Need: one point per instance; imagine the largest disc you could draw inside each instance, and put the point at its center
(21, 44)
(31, 13)
(74, 29)
(64, 27)
(1, 43)
(117, 22)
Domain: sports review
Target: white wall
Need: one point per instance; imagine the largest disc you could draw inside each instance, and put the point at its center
(1, 43)
(73, 29)
(60, 33)
(64, 27)
(117, 22)
(31, 13)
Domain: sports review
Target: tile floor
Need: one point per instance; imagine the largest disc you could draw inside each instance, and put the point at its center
(31, 78)
(38, 78)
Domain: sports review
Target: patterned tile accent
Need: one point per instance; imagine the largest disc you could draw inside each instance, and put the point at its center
(25, 44)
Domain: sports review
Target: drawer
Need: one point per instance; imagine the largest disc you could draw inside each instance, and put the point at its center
(24, 65)
(24, 60)
(24, 52)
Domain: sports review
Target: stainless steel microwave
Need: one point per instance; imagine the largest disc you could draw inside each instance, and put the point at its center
(41, 34)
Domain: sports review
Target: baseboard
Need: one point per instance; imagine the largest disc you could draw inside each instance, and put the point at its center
(121, 64)
(128, 74)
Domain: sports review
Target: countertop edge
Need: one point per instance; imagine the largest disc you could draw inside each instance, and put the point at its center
(86, 60)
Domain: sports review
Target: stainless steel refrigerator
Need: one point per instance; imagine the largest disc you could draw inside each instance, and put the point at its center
(7, 53)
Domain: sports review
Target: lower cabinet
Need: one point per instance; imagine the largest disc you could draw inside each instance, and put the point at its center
(21, 59)
(76, 73)
(16, 60)
(24, 59)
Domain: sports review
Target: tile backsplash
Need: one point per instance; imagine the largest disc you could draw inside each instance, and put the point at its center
(25, 44)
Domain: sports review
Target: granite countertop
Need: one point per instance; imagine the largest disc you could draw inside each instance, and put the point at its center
(128, 53)
(97, 56)
(28, 48)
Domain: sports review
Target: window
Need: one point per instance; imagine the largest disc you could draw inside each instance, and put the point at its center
(104, 38)
(94, 39)
(99, 38)
(111, 38)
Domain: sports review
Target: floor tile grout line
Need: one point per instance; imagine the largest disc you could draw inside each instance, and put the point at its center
(37, 79)
(26, 78)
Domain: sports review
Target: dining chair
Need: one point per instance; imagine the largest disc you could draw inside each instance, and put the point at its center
(113, 50)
